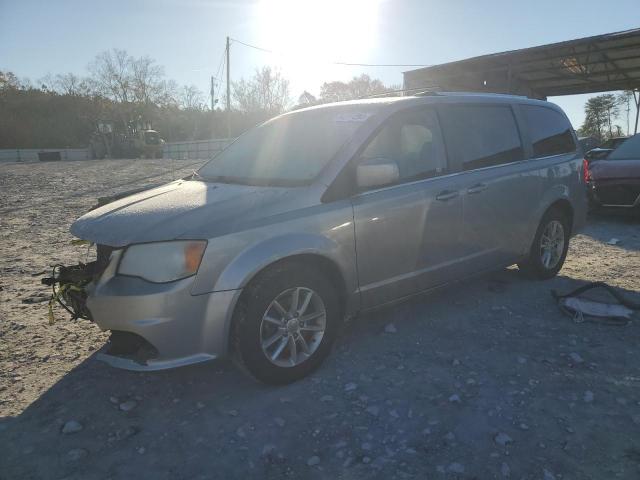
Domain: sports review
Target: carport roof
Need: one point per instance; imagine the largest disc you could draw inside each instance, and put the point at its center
(585, 65)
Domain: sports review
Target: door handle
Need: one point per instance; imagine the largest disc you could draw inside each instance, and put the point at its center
(477, 188)
(445, 195)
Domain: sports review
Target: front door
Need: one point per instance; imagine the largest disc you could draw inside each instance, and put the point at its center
(407, 234)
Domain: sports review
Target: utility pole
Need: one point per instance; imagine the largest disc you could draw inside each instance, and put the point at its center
(228, 93)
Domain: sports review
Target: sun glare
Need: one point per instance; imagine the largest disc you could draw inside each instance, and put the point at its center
(307, 34)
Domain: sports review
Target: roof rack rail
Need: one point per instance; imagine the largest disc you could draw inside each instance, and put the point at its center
(419, 91)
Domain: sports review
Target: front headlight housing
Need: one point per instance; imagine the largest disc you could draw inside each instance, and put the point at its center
(162, 262)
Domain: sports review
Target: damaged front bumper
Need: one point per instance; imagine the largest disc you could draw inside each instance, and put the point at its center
(156, 326)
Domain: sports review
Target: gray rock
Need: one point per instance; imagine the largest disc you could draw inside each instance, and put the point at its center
(522, 360)
(366, 460)
(502, 439)
(450, 437)
(128, 405)
(268, 449)
(373, 410)
(390, 328)
(350, 387)
(456, 467)
(326, 398)
(366, 446)
(123, 433)
(312, 461)
(576, 358)
(76, 454)
(588, 396)
(547, 475)
(455, 398)
(505, 470)
(114, 400)
(72, 426)
(279, 421)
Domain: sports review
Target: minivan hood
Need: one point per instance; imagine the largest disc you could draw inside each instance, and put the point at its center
(181, 209)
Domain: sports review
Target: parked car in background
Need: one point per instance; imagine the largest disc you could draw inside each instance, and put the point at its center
(605, 149)
(615, 181)
(327, 211)
(588, 143)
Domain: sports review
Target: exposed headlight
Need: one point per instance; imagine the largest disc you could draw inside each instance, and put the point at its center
(163, 261)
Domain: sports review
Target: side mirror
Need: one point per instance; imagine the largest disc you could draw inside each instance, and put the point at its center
(377, 173)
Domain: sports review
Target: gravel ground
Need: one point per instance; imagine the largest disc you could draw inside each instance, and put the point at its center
(484, 380)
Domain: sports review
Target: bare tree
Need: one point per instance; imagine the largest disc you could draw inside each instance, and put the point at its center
(267, 91)
(357, 87)
(71, 84)
(146, 79)
(191, 97)
(112, 75)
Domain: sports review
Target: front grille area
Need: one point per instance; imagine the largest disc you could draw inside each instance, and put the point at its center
(623, 195)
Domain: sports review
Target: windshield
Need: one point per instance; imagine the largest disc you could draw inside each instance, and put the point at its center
(629, 150)
(151, 138)
(288, 150)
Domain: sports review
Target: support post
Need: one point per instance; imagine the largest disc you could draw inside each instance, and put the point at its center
(228, 93)
(637, 102)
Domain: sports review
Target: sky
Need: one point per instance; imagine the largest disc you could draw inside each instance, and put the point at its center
(188, 37)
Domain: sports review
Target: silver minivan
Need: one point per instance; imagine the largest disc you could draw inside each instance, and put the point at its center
(324, 212)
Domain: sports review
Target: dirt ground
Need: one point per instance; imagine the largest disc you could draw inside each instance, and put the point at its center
(484, 380)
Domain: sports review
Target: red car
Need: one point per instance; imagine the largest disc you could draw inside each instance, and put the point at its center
(615, 181)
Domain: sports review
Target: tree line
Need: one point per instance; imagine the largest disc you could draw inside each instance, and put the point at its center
(609, 115)
(124, 92)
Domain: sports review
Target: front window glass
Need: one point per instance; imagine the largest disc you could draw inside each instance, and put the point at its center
(288, 150)
(412, 140)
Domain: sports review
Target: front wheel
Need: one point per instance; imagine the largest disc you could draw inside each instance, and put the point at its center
(286, 324)
(549, 248)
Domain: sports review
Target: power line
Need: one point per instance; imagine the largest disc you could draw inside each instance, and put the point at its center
(266, 50)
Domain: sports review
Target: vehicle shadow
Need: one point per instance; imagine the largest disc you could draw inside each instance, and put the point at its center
(381, 383)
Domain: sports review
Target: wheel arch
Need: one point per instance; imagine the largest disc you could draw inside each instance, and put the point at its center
(564, 206)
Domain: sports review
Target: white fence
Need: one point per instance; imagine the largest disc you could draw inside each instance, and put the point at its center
(31, 154)
(197, 150)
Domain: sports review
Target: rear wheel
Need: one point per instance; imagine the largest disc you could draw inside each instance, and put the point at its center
(287, 323)
(549, 248)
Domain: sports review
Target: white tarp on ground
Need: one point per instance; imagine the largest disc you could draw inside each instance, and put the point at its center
(197, 150)
(31, 154)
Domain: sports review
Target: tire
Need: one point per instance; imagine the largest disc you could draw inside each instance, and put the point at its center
(261, 327)
(544, 263)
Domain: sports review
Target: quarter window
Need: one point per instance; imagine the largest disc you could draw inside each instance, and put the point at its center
(549, 130)
(481, 135)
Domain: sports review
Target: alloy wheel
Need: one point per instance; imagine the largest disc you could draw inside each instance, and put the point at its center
(292, 327)
(552, 244)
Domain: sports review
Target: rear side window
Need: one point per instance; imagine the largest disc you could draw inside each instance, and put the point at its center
(481, 135)
(549, 130)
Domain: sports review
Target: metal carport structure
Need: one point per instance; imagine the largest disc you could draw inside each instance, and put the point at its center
(586, 65)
